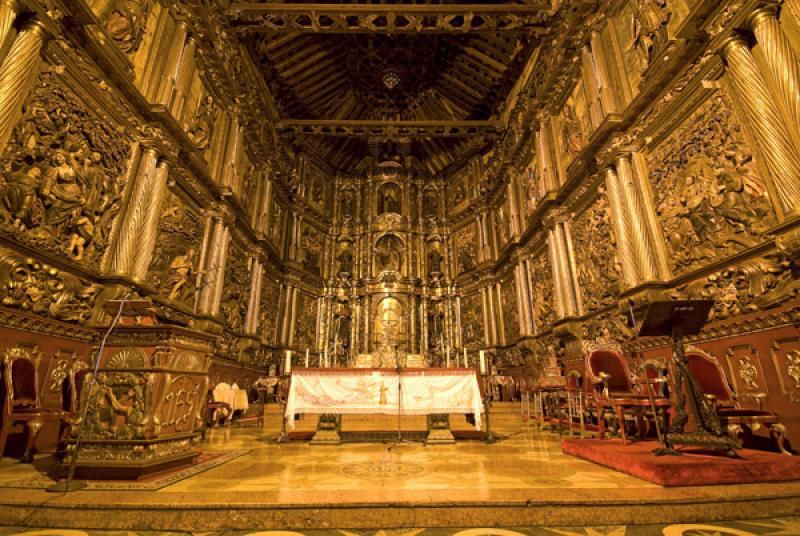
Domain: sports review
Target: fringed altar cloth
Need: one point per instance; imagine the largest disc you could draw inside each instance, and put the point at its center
(368, 391)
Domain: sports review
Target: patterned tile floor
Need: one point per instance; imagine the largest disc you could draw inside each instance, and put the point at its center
(526, 465)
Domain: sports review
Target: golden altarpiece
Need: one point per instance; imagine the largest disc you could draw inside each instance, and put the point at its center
(518, 183)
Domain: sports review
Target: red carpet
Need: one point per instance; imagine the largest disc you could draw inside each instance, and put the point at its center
(694, 468)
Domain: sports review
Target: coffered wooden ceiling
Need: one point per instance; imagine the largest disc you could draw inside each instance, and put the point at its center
(343, 74)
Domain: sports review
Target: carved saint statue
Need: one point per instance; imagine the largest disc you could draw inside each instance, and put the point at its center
(572, 132)
(348, 205)
(341, 329)
(344, 262)
(202, 127)
(388, 254)
(649, 21)
(436, 326)
(434, 262)
(389, 199)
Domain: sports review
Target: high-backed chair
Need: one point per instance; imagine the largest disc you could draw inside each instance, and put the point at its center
(22, 407)
(721, 400)
(609, 380)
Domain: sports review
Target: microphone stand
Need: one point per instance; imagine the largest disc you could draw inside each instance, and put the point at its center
(399, 369)
(69, 484)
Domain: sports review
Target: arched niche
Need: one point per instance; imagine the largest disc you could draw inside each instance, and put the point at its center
(389, 254)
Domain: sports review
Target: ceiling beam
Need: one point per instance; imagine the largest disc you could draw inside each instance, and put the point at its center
(389, 18)
(369, 128)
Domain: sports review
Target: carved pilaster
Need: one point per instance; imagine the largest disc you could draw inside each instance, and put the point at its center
(563, 272)
(18, 73)
(183, 79)
(780, 158)
(214, 269)
(253, 308)
(172, 61)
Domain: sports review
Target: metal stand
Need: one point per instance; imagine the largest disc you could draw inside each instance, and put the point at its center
(487, 405)
(284, 436)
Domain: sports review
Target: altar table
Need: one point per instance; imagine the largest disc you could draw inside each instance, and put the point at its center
(433, 392)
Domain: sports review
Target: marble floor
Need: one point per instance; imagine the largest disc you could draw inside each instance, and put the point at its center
(522, 480)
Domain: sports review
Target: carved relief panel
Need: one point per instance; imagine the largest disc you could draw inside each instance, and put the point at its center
(509, 309)
(573, 126)
(305, 332)
(311, 243)
(269, 307)
(745, 372)
(236, 288)
(542, 291)
(472, 320)
(64, 174)
(466, 247)
(596, 255)
(709, 195)
(786, 363)
(173, 270)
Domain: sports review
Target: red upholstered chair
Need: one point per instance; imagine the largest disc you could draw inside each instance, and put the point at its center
(721, 401)
(609, 380)
(21, 405)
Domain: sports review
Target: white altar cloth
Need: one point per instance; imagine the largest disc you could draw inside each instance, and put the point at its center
(365, 391)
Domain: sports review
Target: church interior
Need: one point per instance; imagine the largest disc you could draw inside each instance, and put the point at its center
(400, 267)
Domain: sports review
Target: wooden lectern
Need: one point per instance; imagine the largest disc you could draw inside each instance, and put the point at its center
(678, 319)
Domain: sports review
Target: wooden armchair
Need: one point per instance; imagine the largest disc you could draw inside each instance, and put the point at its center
(22, 407)
(609, 380)
(720, 400)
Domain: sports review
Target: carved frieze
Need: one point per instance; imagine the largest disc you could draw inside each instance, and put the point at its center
(31, 285)
(472, 321)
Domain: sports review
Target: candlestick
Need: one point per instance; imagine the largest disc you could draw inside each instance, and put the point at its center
(287, 365)
(307, 356)
(483, 361)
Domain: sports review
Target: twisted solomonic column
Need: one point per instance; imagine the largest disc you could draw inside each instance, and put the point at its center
(18, 72)
(781, 60)
(780, 157)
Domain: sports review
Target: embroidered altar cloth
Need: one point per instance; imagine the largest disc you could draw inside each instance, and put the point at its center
(366, 391)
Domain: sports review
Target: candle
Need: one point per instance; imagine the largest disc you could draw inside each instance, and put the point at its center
(483, 362)
(307, 356)
(466, 363)
(325, 358)
(447, 363)
(287, 365)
